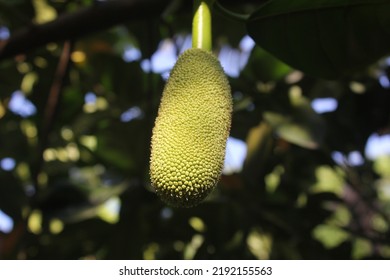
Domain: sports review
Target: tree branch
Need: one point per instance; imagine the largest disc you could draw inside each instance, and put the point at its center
(100, 16)
(75, 25)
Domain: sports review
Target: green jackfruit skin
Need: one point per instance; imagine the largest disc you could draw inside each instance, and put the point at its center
(191, 130)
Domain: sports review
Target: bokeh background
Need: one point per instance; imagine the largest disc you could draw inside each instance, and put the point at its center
(307, 168)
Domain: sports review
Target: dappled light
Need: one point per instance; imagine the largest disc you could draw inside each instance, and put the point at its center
(235, 155)
(7, 164)
(324, 105)
(20, 105)
(131, 54)
(234, 60)
(6, 223)
(132, 113)
(377, 145)
(4, 33)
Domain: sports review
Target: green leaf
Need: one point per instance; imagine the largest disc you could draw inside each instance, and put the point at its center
(259, 143)
(328, 39)
(302, 126)
(362, 248)
(330, 236)
(382, 166)
(264, 67)
(328, 180)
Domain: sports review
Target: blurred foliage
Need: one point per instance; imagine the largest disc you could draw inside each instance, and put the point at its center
(343, 36)
(80, 186)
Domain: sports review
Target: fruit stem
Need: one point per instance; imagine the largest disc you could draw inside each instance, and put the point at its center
(201, 24)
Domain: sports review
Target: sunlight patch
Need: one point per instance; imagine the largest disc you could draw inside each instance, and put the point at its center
(20, 105)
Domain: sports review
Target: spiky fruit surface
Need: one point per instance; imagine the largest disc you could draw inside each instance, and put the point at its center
(191, 130)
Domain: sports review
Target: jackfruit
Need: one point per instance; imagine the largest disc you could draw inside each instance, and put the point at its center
(191, 130)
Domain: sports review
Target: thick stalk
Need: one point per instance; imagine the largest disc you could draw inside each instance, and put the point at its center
(201, 24)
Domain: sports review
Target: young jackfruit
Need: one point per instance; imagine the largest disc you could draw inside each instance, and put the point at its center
(191, 129)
